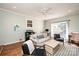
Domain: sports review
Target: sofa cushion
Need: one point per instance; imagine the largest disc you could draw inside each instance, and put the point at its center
(43, 40)
(34, 36)
(40, 36)
(45, 35)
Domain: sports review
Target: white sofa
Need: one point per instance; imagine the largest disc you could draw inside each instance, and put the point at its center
(39, 39)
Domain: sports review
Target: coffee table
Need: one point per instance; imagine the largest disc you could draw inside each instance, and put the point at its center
(40, 45)
(51, 47)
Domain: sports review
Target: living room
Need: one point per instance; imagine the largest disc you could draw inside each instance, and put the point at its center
(16, 19)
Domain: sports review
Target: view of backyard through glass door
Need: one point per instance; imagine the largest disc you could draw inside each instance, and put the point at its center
(60, 28)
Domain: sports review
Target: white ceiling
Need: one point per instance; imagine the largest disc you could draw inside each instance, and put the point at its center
(43, 10)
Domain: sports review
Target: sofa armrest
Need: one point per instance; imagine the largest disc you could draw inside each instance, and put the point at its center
(35, 40)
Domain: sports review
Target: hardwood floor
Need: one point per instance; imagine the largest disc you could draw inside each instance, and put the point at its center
(14, 49)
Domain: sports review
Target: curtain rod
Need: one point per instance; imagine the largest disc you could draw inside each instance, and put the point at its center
(60, 21)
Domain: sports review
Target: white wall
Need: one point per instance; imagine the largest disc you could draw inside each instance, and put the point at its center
(38, 25)
(7, 22)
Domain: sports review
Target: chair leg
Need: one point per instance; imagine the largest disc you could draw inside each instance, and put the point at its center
(63, 42)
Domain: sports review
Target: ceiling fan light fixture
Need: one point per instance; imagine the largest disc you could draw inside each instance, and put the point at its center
(45, 11)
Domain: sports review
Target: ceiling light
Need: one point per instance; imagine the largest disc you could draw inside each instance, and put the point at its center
(14, 6)
(45, 11)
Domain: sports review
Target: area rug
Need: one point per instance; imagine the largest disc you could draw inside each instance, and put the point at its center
(67, 50)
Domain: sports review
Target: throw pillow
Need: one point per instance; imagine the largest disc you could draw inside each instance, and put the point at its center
(40, 36)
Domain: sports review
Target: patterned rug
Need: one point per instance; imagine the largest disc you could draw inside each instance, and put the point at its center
(67, 50)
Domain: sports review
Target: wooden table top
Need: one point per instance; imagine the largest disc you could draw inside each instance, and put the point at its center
(52, 43)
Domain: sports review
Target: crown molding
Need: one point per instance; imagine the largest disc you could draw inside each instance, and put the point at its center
(20, 14)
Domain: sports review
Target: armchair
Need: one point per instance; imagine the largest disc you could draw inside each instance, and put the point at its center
(29, 49)
(58, 38)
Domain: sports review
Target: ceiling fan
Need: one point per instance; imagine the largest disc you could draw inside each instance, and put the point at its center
(45, 11)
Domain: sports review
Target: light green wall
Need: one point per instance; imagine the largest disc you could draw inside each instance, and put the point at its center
(7, 22)
(73, 23)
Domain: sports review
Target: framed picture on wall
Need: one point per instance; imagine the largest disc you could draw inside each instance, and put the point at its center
(29, 23)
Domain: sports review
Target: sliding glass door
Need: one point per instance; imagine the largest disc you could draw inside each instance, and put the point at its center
(60, 28)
